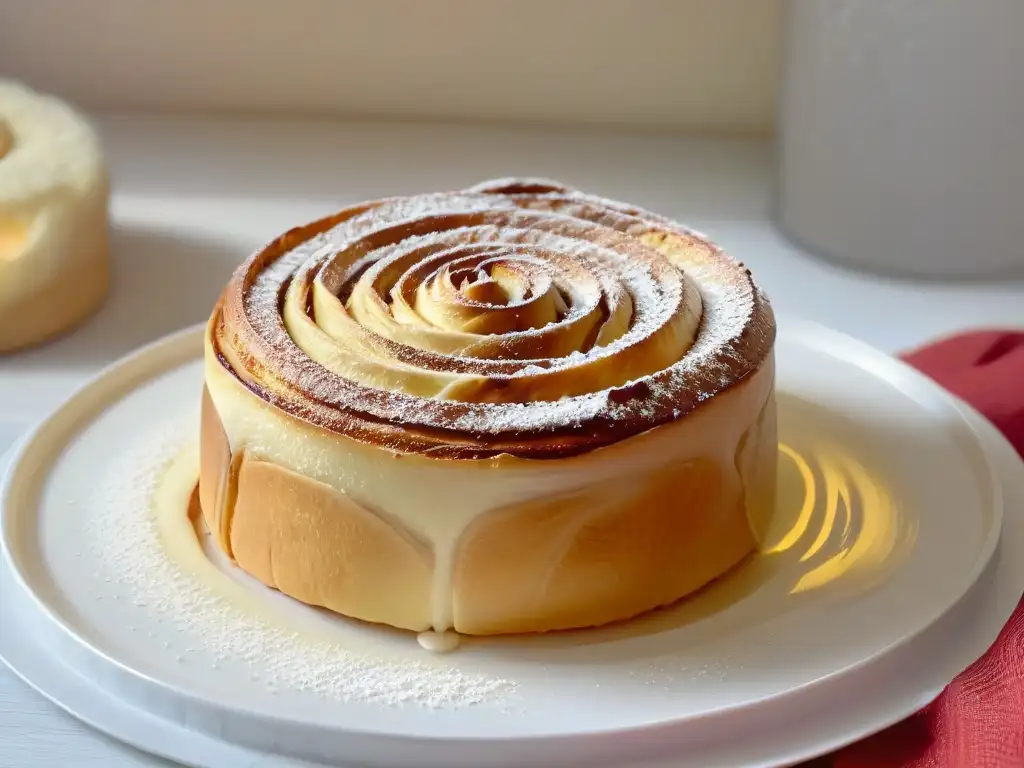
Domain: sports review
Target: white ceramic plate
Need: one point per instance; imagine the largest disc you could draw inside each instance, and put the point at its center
(905, 514)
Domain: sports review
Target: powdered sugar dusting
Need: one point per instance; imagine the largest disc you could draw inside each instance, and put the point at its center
(602, 253)
(126, 543)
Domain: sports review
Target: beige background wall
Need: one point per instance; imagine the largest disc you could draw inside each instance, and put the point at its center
(693, 64)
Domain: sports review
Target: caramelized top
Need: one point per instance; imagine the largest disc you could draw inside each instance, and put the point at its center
(517, 317)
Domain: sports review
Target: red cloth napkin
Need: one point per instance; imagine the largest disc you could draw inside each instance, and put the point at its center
(978, 721)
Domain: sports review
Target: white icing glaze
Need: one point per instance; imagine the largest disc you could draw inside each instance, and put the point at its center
(154, 545)
(439, 642)
(437, 499)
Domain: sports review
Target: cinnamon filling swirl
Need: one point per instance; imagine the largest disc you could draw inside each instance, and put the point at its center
(513, 318)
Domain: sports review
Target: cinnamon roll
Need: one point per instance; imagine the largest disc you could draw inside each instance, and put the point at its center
(513, 408)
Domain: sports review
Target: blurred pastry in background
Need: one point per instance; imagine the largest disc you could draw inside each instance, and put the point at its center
(54, 204)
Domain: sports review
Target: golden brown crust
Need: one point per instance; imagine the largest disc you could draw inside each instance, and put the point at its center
(218, 480)
(637, 548)
(318, 546)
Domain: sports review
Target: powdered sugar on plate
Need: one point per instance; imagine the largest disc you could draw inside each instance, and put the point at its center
(129, 549)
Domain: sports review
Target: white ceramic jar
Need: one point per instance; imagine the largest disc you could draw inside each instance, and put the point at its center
(902, 135)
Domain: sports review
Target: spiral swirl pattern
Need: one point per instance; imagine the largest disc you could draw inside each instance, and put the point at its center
(518, 317)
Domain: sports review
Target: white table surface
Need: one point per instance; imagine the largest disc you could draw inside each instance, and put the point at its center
(192, 197)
